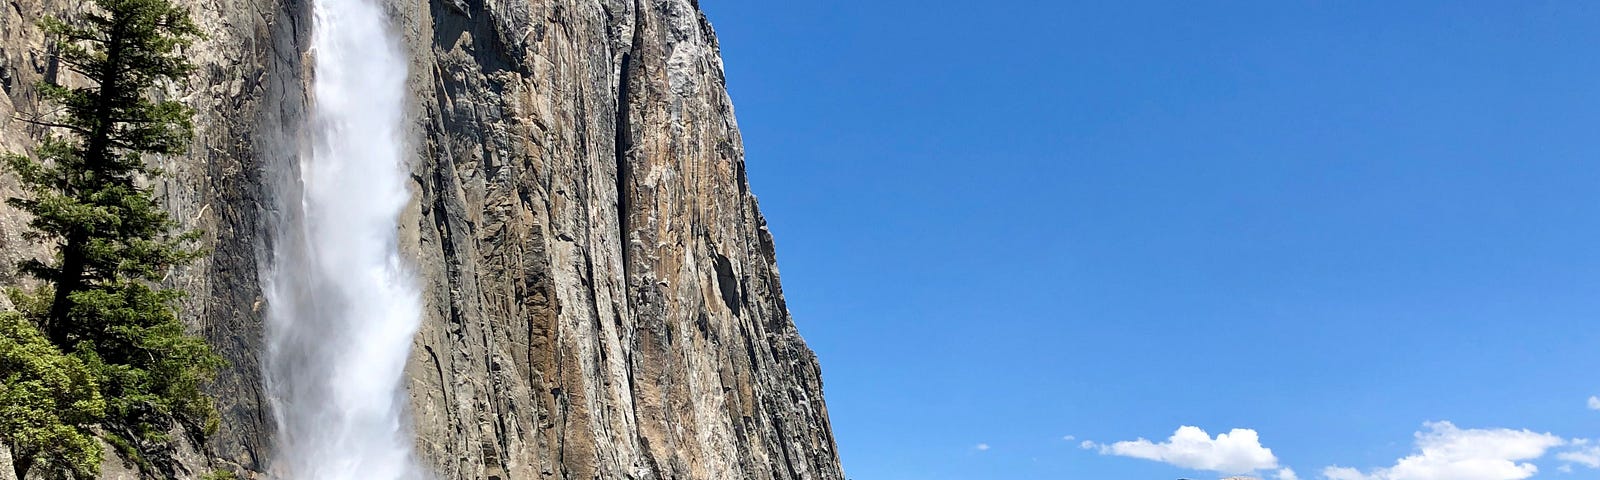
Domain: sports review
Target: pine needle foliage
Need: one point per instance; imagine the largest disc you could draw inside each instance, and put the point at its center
(102, 301)
(48, 402)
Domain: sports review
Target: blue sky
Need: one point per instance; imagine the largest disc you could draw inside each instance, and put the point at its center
(1333, 224)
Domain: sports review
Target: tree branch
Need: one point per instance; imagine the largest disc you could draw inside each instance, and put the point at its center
(42, 123)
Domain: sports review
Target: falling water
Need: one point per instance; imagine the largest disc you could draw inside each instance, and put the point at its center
(342, 306)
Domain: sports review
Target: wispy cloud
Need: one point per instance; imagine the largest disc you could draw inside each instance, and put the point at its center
(982, 447)
(1584, 453)
(1284, 474)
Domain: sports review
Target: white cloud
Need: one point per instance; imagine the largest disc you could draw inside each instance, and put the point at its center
(982, 447)
(1445, 452)
(1594, 403)
(1069, 438)
(1238, 451)
(1585, 454)
(1087, 445)
(1344, 473)
(1284, 474)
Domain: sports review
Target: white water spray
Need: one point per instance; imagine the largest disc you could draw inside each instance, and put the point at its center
(342, 306)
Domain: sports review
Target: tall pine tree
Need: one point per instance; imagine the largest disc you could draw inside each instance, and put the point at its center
(101, 299)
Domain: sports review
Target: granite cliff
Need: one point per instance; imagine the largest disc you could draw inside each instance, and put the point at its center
(601, 291)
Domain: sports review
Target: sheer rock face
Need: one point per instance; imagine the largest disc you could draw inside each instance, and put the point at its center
(602, 297)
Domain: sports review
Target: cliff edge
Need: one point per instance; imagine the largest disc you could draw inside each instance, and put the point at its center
(602, 296)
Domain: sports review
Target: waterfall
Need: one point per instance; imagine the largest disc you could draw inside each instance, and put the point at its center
(342, 306)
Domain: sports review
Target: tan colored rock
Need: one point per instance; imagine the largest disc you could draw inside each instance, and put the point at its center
(602, 296)
(8, 471)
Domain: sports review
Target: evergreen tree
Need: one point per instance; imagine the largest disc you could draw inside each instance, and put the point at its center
(48, 402)
(86, 191)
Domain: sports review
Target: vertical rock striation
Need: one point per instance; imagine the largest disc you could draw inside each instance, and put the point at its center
(602, 299)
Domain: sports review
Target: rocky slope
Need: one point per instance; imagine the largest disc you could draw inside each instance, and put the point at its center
(602, 296)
